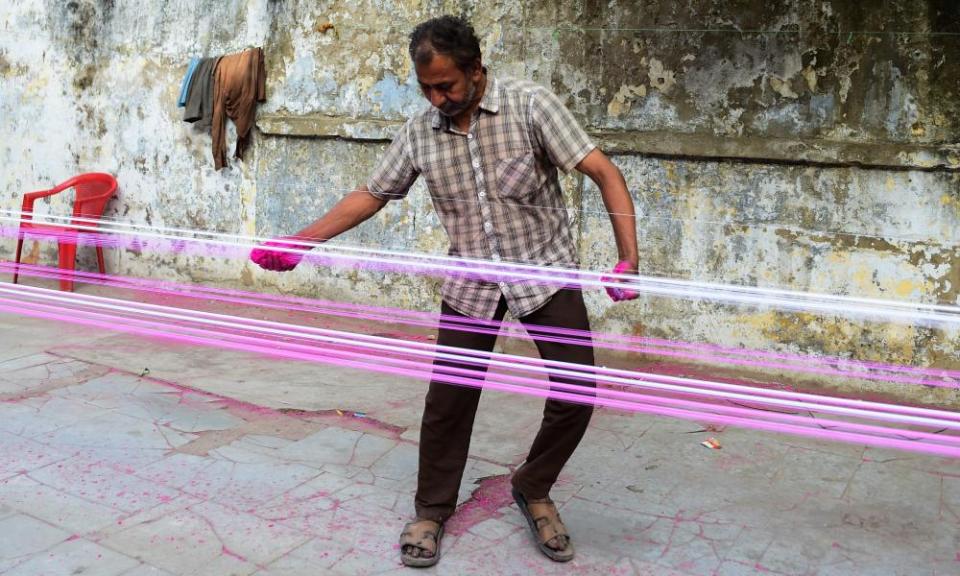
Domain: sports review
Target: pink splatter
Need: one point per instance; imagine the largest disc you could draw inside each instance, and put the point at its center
(492, 495)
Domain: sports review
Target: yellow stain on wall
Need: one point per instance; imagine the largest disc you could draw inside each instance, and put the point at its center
(365, 83)
(833, 336)
(37, 86)
(623, 100)
(671, 173)
(759, 321)
(905, 288)
(32, 256)
(862, 277)
(890, 184)
(838, 258)
(248, 199)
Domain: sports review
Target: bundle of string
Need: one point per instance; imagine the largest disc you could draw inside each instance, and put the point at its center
(873, 423)
(138, 237)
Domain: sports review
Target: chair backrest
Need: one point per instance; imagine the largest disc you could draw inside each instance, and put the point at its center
(92, 192)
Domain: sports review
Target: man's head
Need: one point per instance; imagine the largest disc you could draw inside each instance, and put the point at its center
(446, 55)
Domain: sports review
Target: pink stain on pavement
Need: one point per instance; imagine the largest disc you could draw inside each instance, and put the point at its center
(492, 494)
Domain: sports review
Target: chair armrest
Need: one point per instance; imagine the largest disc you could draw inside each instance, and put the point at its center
(30, 197)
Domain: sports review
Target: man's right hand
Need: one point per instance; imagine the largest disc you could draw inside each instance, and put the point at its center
(618, 294)
(276, 260)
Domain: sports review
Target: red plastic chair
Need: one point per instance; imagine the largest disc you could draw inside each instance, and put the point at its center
(93, 191)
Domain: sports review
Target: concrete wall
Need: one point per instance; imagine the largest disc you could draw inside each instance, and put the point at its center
(805, 144)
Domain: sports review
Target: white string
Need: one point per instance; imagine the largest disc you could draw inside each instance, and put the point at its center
(645, 213)
(436, 264)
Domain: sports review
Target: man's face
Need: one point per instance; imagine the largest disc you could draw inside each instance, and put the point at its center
(448, 88)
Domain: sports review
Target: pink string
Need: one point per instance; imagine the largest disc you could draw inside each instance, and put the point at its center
(702, 353)
(674, 408)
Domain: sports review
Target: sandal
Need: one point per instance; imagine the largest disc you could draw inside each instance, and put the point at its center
(415, 538)
(555, 528)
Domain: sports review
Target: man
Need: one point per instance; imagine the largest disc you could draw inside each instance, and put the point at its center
(489, 149)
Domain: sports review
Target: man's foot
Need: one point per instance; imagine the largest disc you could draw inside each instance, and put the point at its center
(547, 528)
(420, 543)
(551, 529)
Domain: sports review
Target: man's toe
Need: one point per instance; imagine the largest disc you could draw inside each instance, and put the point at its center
(558, 543)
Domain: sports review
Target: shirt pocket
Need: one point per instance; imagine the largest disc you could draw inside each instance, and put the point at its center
(517, 177)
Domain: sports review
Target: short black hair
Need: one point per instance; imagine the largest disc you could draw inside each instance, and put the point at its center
(451, 36)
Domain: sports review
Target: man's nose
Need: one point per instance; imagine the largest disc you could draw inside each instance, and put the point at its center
(436, 98)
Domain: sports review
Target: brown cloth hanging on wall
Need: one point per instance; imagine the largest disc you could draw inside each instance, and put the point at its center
(239, 83)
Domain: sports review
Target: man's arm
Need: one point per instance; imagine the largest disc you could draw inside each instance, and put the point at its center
(353, 209)
(350, 211)
(616, 199)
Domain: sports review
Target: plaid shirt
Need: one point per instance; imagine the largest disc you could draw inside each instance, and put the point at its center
(495, 188)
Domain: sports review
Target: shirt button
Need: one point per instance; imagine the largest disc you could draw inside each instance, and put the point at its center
(495, 257)
(476, 163)
(481, 194)
(488, 226)
(469, 136)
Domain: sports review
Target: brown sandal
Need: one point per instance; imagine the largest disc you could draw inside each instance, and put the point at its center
(556, 529)
(415, 537)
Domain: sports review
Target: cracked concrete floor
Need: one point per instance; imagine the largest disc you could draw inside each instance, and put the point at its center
(122, 455)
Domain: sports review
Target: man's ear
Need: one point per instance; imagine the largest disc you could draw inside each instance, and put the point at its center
(476, 71)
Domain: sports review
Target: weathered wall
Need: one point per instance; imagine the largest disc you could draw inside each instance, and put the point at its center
(807, 144)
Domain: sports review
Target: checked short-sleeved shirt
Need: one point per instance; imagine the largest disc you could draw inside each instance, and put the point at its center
(495, 188)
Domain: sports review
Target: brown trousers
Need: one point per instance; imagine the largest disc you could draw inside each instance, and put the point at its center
(449, 411)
